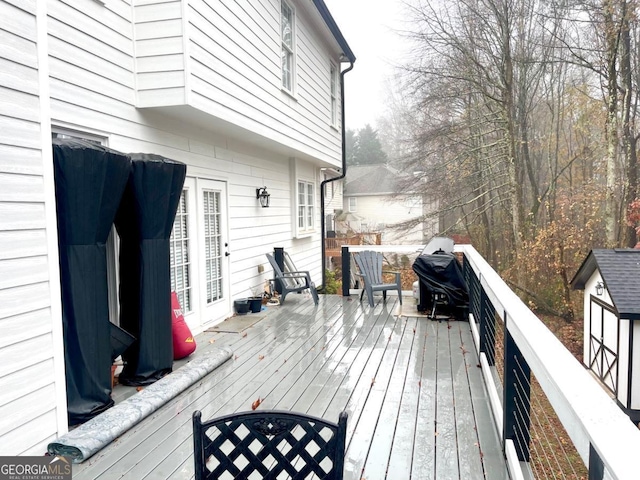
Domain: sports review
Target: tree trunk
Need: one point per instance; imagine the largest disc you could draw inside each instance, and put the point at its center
(611, 125)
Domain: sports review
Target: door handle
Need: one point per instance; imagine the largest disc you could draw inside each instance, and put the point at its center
(226, 254)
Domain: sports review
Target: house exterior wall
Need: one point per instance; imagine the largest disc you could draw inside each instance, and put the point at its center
(334, 202)
(380, 212)
(89, 42)
(87, 68)
(32, 392)
(223, 59)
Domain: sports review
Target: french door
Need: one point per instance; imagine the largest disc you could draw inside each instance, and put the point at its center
(214, 250)
(200, 252)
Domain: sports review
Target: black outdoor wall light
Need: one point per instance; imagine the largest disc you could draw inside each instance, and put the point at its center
(599, 288)
(263, 196)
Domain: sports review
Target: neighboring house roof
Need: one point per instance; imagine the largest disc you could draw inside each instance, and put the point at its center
(371, 180)
(620, 271)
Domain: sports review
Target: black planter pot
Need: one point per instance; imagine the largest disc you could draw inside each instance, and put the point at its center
(241, 306)
(255, 304)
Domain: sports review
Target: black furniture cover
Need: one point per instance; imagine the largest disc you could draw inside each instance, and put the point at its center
(440, 273)
(144, 222)
(89, 182)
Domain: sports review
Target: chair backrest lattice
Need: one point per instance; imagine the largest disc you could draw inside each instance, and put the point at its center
(370, 264)
(269, 445)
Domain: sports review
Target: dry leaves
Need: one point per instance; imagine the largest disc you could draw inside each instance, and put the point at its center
(260, 357)
(244, 334)
(256, 404)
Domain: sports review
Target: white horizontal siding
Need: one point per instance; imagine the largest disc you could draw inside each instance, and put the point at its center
(18, 357)
(229, 53)
(23, 271)
(22, 243)
(21, 216)
(21, 327)
(29, 395)
(236, 74)
(15, 412)
(21, 188)
(20, 440)
(159, 53)
(18, 386)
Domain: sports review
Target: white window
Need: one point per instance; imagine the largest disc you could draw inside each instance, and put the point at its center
(334, 95)
(287, 20)
(353, 204)
(213, 244)
(306, 203)
(179, 255)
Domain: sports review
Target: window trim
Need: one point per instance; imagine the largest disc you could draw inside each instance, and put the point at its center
(307, 214)
(187, 307)
(333, 93)
(290, 49)
(354, 207)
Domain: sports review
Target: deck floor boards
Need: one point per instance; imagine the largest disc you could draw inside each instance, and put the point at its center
(416, 402)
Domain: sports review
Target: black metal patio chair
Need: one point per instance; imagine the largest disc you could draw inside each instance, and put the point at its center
(269, 444)
(370, 266)
(292, 281)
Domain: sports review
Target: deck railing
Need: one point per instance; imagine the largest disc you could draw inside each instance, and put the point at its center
(514, 347)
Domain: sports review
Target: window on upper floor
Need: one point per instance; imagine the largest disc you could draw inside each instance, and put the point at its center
(287, 34)
(334, 95)
(353, 204)
(306, 204)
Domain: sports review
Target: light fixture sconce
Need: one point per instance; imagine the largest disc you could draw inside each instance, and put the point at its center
(263, 196)
(599, 289)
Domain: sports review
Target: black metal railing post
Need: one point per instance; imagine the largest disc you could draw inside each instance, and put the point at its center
(487, 329)
(278, 255)
(517, 397)
(346, 272)
(596, 465)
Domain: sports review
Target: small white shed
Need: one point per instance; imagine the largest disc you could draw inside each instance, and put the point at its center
(610, 279)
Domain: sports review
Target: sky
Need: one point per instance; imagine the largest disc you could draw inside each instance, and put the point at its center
(369, 26)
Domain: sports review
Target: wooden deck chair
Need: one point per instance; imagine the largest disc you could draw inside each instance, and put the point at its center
(292, 281)
(370, 266)
(269, 444)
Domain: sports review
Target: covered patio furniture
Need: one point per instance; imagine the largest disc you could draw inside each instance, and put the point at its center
(144, 222)
(89, 183)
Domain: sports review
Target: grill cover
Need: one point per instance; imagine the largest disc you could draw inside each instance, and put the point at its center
(440, 273)
(89, 182)
(144, 222)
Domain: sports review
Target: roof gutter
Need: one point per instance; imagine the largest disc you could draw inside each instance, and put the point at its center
(339, 177)
(351, 58)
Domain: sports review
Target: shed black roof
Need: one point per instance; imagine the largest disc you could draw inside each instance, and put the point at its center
(620, 270)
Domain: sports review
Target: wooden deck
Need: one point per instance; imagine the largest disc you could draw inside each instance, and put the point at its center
(417, 406)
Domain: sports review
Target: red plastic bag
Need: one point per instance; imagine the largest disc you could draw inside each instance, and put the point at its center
(183, 342)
